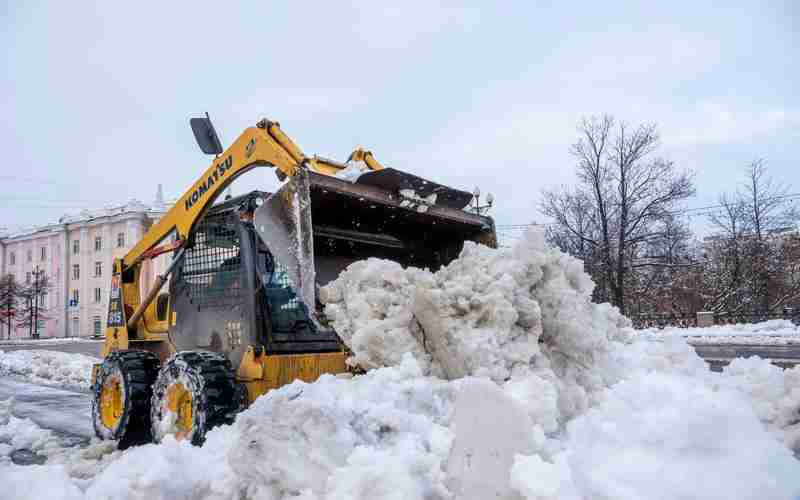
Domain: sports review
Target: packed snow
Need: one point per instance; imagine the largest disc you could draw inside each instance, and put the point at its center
(495, 377)
(353, 170)
(771, 332)
(49, 367)
(67, 468)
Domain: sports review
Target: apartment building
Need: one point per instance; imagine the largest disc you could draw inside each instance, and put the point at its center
(76, 254)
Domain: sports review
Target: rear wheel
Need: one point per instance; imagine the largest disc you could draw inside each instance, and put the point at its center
(195, 392)
(122, 394)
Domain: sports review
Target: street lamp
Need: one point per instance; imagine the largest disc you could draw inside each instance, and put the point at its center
(476, 201)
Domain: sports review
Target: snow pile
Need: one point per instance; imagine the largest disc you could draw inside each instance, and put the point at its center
(49, 367)
(771, 332)
(490, 314)
(774, 394)
(383, 435)
(662, 437)
(353, 170)
(66, 467)
(495, 377)
(525, 320)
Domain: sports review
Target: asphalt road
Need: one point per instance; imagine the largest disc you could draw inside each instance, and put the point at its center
(719, 355)
(90, 348)
(69, 413)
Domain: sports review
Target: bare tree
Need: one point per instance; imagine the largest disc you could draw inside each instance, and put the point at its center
(31, 297)
(726, 267)
(769, 213)
(665, 270)
(9, 295)
(575, 232)
(770, 210)
(751, 259)
(622, 193)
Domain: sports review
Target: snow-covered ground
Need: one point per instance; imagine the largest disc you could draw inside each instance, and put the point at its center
(772, 332)
(49, 367)
(495, 377)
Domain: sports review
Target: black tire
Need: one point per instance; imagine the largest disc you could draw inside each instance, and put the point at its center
(215, 395)
(135, 372)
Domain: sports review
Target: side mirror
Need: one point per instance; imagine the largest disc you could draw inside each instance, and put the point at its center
(205, 135)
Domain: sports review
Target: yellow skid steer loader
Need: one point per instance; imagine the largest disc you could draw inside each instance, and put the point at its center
(239, 316)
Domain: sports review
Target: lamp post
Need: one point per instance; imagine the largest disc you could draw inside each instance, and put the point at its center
(476, 201)
(36, 302)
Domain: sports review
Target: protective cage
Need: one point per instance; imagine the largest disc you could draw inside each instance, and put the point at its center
(212, 264)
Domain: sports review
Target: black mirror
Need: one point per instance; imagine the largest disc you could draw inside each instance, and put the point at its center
(205, 135)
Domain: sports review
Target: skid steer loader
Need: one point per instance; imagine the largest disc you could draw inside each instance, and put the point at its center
(239, 316)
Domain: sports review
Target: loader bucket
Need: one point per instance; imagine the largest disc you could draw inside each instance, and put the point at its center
(316, 224)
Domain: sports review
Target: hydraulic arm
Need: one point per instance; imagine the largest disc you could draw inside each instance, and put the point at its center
(264, 145)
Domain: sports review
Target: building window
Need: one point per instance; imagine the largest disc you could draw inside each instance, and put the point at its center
(120, 240)
(30, 255)
(12, 259)
(76, 271)
(98, 269)
(98, 243)
(75, 297)
(76, 247)
(27, 278)
(98, 326)
(44, 253)
(97, 294)
(75, 327)
(41, 301)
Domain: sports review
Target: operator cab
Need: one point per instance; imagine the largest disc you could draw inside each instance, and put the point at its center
(231, 292)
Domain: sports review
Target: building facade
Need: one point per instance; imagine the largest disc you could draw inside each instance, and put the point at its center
(76, 255)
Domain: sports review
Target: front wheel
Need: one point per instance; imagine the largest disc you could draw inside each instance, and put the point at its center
(195, 392)
(122, 393)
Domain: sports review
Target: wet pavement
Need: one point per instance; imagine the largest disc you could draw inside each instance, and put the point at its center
(720, 355)
(66, 412)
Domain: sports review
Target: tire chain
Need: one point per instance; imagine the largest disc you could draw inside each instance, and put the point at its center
(220, 400)
(139, 369)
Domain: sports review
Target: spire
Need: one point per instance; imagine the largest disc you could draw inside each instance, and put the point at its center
(160, 195)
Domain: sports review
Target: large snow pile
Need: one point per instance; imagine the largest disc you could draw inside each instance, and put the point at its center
(771, 332)
(495, 377)
(49, 367)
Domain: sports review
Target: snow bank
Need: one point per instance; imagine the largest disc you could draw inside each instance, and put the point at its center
(67, 467)
(773, 393)
(48, 341)
(772, 332)
(495, 377)
(663, 437)
(49, 367)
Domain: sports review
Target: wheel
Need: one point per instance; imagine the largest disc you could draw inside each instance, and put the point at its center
(195, 392)
(122, 393)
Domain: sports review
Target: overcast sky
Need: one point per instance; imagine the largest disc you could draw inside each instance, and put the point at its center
(96, 97)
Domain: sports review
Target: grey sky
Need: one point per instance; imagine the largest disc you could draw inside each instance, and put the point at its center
(96, 97)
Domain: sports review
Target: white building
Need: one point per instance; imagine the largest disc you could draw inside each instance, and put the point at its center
(76, 254)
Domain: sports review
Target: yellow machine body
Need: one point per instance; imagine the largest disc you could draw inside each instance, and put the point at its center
(143, 321)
